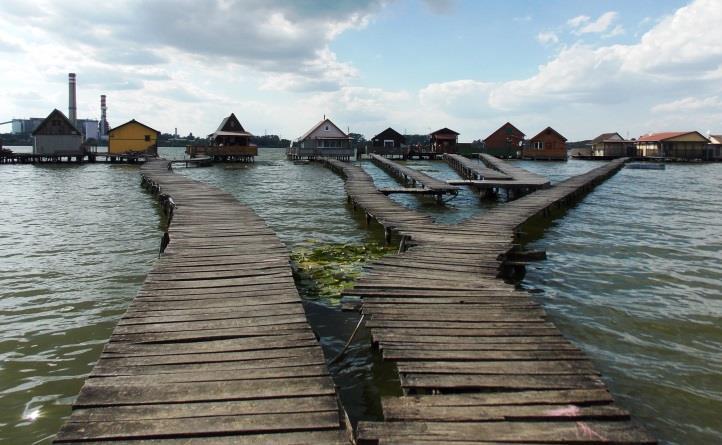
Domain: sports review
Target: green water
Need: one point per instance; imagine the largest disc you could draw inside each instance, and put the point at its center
(632, 277)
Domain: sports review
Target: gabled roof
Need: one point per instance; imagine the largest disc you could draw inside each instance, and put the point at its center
(133, 121)
(230, 126)
(444, 131)
(547, 130)
(389, 130)
(317, 126)
(658, 137)
(57, 114)
(508, 124)
(716, 138)
(231, 123)
(605, 136)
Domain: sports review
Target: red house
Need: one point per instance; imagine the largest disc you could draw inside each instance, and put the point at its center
(506, 142)
(548, 145)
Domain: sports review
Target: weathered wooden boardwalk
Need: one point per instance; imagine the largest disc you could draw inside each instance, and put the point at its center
(215, 348)
(478, 360)
(494, 174)
(421, 183)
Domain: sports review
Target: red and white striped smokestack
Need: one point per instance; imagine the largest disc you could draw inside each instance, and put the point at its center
(72, 105)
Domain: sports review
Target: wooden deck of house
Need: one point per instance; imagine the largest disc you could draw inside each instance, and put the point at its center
(478, 360)
(493, 174)
(215, 348)
(414, 178)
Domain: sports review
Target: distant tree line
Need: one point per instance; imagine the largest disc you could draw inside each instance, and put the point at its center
(9, 139)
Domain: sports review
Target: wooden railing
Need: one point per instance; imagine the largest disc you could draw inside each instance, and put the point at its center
(224, 150)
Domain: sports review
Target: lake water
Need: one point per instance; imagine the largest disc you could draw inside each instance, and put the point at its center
(632, 277)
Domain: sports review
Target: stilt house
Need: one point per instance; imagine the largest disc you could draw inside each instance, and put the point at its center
(548, 145)
(230, 142)
(388, 143)
(133, 137)
(612, 145)
(686, 145)
(506, 142)
(444, 141)
(323, 140)
(56, 136)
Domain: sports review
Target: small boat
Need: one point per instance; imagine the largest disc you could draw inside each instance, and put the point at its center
(646, 166)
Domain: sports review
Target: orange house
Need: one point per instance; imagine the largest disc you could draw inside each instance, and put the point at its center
(548, 145)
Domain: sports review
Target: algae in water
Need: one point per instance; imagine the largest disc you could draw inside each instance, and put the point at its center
(324, 271)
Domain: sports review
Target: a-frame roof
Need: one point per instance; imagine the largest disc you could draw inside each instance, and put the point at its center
(133, 121)
(231, 123)
(230, 126)
(508, 124)
(68, 127)
(390, 132)
(546, 130)
(317, 126)
(444, 131)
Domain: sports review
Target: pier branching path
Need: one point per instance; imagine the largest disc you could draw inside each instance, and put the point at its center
(478, 360)
(215, 348)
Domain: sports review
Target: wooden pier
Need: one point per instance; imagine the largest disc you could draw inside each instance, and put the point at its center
(494, 174)
(10, 157)
(215, 348)
(478, 360)
(420, 183)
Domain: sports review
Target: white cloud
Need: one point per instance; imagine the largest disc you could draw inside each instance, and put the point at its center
(583, 25)
(271, 36)
(690, 104)
(547, 37)
(578, 21)
(460, 98)
(617, 31)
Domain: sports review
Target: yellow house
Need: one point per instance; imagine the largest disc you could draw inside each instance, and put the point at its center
(133, 137)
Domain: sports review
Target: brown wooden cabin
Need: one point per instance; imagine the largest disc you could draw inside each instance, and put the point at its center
(444, 141)
(548, 145)
(506, 142)
(683, 145)
(612, 145)
(388, 142)
(230, 142)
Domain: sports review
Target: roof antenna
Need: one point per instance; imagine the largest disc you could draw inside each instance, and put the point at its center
(324, 116)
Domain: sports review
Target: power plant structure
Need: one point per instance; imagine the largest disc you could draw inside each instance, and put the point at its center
(89, 128)
(103, 127)
(72, 104)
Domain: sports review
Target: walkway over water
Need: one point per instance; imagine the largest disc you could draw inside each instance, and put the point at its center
(414, 177)
(215, 348)
(478, 360)
(494, 173)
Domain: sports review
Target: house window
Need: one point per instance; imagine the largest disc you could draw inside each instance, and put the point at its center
(538, 145)
(147, 138)
(326, 127)
(388, 143)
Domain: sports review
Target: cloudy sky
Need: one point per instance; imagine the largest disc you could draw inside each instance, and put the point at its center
(583, 67)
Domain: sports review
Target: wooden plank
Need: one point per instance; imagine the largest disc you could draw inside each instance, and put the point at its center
(588, 432)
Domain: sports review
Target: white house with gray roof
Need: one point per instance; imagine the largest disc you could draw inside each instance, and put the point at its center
(323, 140)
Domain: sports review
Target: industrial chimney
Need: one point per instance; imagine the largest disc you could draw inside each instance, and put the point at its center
(72, 105)
(104, 127)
